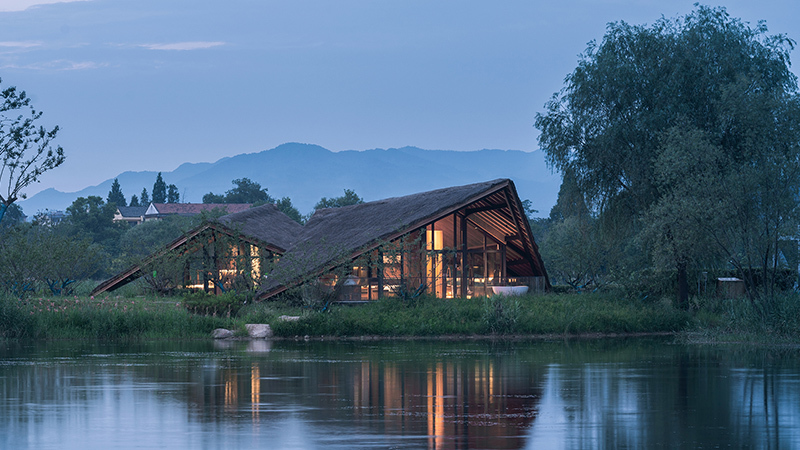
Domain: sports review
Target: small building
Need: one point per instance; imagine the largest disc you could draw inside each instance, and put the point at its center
(132, 215)
(730, 287)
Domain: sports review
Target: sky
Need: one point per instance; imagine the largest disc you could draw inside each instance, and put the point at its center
(151, 84)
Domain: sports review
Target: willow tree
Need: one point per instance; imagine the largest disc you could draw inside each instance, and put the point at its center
(25, 148)
(622, 121)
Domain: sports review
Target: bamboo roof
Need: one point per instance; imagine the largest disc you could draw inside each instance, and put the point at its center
(334, 235)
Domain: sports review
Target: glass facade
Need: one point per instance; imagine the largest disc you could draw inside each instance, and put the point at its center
(453, 257)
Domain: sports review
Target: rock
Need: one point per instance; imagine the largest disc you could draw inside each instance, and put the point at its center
(259, 330)
(222, 333)
(289, 318)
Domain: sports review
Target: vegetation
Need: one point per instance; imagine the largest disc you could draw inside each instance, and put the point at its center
(247, 191)
(682, 140)
(116, 196)
(25, 149)
(679, 148)
(102, 318)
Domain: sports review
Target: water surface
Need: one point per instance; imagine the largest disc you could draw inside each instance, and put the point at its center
(638, 393)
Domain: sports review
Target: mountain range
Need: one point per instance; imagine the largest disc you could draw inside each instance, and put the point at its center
(305, 173)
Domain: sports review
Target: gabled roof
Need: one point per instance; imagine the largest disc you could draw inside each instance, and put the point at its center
(195, 208)
(132, 211)
(333, 235)
(265, 226)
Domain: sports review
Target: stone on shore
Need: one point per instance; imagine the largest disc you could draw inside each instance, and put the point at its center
(259, 330)
(222, 333)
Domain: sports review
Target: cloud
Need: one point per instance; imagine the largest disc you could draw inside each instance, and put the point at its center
(22, 5)
(19, 44)
(58, 65)
(194, 45)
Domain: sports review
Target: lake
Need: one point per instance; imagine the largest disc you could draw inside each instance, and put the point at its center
(604, 393)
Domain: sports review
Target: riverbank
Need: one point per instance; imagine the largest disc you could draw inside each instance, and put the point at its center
(114, 317)
(546, 316)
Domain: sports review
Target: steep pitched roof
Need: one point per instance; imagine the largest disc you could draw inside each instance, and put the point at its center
(335, 234)
(264, 225)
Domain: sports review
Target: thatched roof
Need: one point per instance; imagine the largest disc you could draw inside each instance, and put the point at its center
(334, 235)
(265, 226)
(265, 223)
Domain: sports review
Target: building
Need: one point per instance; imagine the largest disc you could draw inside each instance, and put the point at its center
(161, 210)
(456, 242)
(218, 255)
(132, 215)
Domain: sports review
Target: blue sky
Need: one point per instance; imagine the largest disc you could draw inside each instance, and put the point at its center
(150, 84)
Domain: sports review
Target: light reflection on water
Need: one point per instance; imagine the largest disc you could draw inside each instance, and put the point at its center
(438, 395)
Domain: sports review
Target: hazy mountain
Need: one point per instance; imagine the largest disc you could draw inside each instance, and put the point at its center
(305, 173)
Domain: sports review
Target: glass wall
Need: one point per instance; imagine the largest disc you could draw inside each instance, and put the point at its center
(450, 258)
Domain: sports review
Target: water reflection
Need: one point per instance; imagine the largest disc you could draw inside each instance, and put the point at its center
(612, 394)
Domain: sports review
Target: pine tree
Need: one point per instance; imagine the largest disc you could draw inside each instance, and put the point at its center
(159, 190)
(172, 194)
(115, 195)
(144, 199)
(134, 200)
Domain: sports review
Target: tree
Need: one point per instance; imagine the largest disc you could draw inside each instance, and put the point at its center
(349, 198)
(144, 199)
(213, 198)
(285, 206)
(14, 216)
(134, 200)
(706, 76)
(172, 194)
(115, 195)
(245, 190)
(159, 190)
(25, 149)
(91, 217)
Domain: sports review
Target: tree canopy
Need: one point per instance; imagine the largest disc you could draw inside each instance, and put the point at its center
(682, 134)
(245, 190)
(349, 198)
(25, 148)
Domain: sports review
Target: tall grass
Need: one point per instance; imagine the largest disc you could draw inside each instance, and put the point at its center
(131, 318)
(773, 319)
(102, 318)
(549, 314)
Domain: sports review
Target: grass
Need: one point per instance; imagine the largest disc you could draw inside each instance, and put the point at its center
(146, 317)
(102, 318)
(550, 314)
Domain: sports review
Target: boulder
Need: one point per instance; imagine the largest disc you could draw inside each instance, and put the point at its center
(222, 333)
(259, 330)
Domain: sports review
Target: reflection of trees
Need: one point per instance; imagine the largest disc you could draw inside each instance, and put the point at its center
(681, 398)
(439, 395)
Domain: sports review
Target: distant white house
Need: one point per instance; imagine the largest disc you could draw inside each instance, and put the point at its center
(130, 214)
